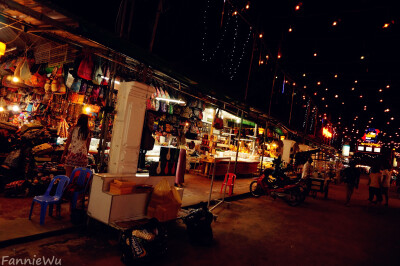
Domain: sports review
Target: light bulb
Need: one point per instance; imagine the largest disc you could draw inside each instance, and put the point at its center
(87, 109)
(362, 57)
(260, 36)
(315, 54)
(15, 108)
(334, 23)
(1, 109)
(15, 79)
(385, 25)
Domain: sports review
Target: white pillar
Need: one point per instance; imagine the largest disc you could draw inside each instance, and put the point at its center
(128, 126)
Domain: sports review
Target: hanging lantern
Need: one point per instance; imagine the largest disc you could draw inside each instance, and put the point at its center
(2, 48)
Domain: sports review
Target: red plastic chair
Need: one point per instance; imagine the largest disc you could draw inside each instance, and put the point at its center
(230, 182)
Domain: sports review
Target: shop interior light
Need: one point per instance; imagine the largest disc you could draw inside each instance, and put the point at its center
(87, 110)
(15, 108)
(1, 109)
(170, 100)
(15, 79)
(2, 48)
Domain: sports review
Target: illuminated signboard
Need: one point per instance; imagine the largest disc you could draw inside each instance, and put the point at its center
(326, 133)
(377, 149)
(360, 148)
(346, 150)
(368, 148)
(371, 135)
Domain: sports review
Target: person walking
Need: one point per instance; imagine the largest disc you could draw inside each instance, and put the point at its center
(386, 177)
(77, 146)
(352, 179)
(375, 183)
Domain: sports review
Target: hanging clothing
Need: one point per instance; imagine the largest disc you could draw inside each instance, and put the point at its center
(77, 151)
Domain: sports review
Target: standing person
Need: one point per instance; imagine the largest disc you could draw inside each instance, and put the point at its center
(307, 169)
(386, 177)
(375, 183)
(352, 179)
(77, 146)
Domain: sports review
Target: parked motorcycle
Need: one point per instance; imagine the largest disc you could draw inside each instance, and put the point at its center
(277, 184)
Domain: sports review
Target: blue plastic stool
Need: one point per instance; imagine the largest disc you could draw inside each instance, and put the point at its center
(47, 200)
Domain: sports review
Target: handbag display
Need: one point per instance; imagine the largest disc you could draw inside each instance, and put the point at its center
(218, 122)
(85, 69)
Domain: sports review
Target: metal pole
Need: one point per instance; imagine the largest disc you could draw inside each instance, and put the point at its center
(263, 148)
(238, 142)
(291, 107)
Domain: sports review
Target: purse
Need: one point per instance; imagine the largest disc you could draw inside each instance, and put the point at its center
(218, 122)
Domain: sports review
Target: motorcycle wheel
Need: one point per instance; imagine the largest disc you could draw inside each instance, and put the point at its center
(294, 198)
(255, 189)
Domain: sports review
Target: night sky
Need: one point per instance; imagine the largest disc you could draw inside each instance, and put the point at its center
(358, 41)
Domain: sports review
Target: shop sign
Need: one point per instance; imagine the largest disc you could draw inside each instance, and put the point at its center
(326, 133)
(371, 135)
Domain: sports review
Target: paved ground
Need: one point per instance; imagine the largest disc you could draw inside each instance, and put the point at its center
(257, 232)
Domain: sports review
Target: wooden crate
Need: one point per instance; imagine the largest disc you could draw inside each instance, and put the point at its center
(119, 187)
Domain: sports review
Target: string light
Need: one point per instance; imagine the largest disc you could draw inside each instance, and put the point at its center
(386, 25)
(304, 74)
(362, 57)
(235, 13)
(353, 89)
(355, 81)
(290, 29)
(387, 86)
(361, 96)
(336, 75)
(305, 87)
(326, 89)
(297, 8)
(232, 55)
(279, 56)
(336, 96)
(380, 100)
(380, 90)
(334, 23)
(315, 54)
(248, 5)
(319, 83)
(203, 46)
(260, 35)
(342, 102)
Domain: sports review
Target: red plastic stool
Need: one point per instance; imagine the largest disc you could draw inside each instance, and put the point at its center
(229, 181)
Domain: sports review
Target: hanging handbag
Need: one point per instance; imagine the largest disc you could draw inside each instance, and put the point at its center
(85, 69)
(76, 85)
(97, 75)
(25, 73)
(218, 122)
